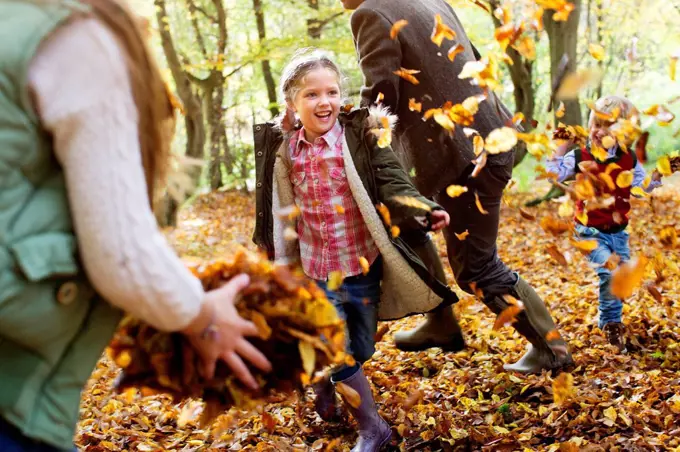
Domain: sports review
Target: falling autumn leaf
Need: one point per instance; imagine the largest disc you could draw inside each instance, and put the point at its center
(574, 82)
(349, 394)
(553, 335)
(407, 74)
(596, 51)
(395, 231)
(673, 65)
(365, 267)
(608, 142)
(479, 205)
(308, 355)
(289, 213)
(384, 213)
(396, 28)
(441, 31)
(339, 209)
(556, 254)
(335, 279)
(663, 165)
(585, 245)
(500, 140)
(463, 235)
(410, 201)
(455, 50)
(455, 191)
(561, 109)
(507, 316)
(628, 277)
(624, 179)
(415, 106)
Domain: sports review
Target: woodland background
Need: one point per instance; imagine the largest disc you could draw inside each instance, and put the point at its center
(223, 59)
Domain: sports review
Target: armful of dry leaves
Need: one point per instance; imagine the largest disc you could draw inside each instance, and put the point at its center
(300, 333)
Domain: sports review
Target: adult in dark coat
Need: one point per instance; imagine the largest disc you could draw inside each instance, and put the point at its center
(441, 159)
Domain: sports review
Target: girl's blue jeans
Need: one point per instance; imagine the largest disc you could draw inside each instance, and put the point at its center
(357, 304)
(607, 244)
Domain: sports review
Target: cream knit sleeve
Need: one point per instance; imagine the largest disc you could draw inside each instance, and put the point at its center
(84, 99)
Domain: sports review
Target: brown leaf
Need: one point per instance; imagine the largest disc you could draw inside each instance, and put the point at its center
(526, 215)
(349, 394)
(563, 388)
(507, 316)
(396, 28)
(556, 254)
(382, 331)
(479, 205)
(628, 276)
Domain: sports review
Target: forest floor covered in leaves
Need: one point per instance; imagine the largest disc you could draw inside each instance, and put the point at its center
(463, 401)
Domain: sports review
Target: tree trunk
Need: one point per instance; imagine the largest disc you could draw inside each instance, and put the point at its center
(193, 118)
(314, 25)
(266, 67)
(563, 39)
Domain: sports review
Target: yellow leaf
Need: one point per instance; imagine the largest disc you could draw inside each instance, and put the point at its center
(566, 209)
(289, 234)
(663, 166)
(410, 201)
(395, 231)
(415, 106)
(599, 153)
(407, 74)
(396, 28)
(608, 142)
(596, 51)
(582, 217)
(261, 324)
(455, 191)
(349, 394)
(610, 413)
(638, 191)
(646, 182)
(308, 355)
(455, 50)
(624, 179)
(628, 276)
(478, 143)
(479, 205)
(364, 265)
(585, 245)
(574, 82)
(463, 235)
(611, 167)
(500, 140)
(335, 279)
(444, 120)
(673, 65)
(563, 388)
(559, 113)
(507, 316)
(384, 213)
(290, 212)
(607, 179)
(441, 31)
(123, 359)
(662, 114)
(553, 336)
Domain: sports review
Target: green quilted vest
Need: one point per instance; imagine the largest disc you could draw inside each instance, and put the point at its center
(53, 326)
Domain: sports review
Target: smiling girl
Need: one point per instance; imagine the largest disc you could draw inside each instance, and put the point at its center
(328, 164)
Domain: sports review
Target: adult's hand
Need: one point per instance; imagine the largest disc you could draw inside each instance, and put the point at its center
(220, 333)
(440, 219)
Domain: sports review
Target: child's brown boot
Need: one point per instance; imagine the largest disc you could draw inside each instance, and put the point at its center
(616, 335)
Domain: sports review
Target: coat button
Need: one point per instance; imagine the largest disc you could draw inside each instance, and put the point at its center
(259, 184)
(258, 127)
(260, 214)
(67, 293)
(259, 153)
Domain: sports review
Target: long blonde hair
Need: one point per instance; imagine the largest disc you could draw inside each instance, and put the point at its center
(150, 93)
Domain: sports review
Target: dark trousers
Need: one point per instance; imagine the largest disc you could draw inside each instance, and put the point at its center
(475, 259)
(12, 440)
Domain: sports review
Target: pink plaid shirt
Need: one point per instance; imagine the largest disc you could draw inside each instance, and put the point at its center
(331, 230)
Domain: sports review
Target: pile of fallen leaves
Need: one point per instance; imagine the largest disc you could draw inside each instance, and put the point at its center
(464, 401)
(299, 332)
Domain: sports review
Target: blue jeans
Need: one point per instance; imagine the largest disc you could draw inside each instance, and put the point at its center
(357, 304)
(12, 440)
(607, 244)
